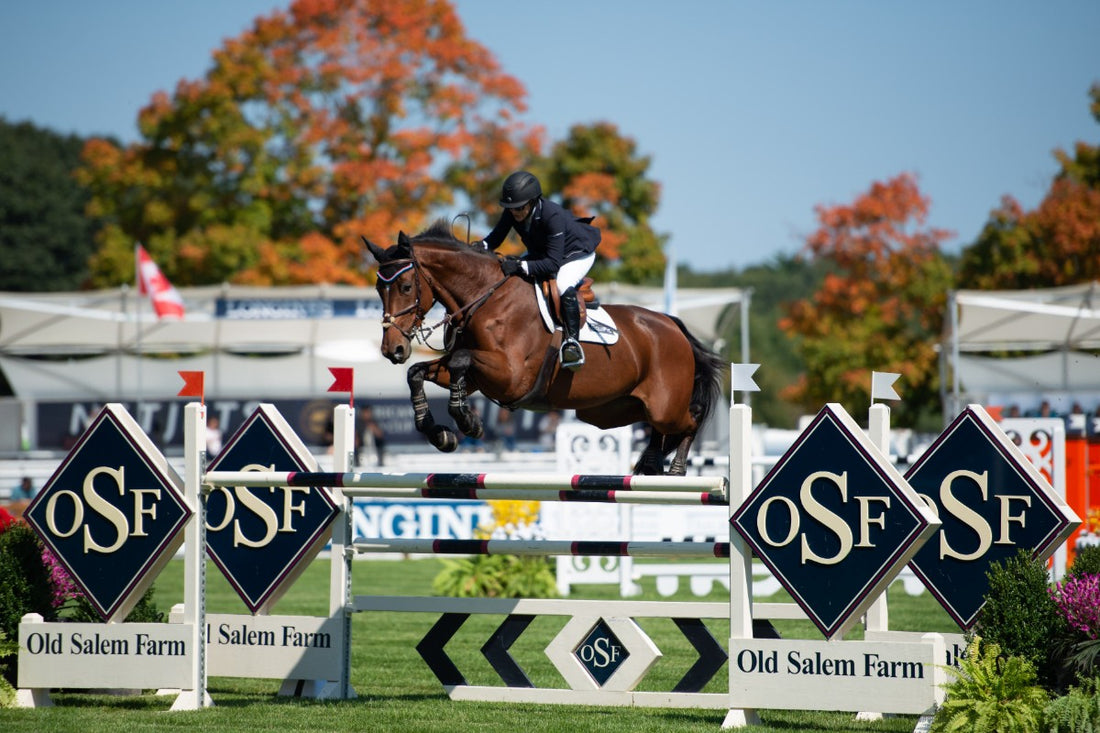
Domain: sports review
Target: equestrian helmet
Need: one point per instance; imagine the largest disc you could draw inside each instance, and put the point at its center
(519, 188)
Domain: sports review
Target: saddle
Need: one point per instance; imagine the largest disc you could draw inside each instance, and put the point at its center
(586, 298)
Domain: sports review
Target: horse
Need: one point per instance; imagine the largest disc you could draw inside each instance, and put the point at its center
(656, 372)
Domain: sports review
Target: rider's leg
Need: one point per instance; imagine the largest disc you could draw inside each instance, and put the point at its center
(572, 355)
(569, 276)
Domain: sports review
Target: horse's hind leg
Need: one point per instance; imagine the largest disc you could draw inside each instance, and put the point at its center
(652, 460)
(468, 421)
(440, 436)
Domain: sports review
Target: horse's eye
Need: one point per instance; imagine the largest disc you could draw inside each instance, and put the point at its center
(406, 288)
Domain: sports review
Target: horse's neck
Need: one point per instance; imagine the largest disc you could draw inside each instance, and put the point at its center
(459, 277)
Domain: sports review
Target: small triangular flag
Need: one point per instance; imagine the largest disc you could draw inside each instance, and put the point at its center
(192, 385)
(741, 378)
(343, 381)
(882, 386)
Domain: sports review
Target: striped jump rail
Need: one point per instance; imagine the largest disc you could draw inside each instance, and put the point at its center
(591, 548)
(477, 481)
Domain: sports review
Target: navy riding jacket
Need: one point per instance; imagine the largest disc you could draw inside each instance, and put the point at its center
(552, 236)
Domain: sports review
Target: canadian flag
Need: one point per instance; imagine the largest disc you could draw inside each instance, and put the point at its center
(152, 282)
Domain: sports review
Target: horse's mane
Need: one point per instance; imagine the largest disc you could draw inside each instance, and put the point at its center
(440, 233)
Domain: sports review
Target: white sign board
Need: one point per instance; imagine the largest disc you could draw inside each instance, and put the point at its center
(98, 656)
(273, 647)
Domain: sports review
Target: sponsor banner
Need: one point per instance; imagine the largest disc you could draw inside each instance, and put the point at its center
(59, 424)
(886, 677)
(418, 519)
(91, 655)
(266, 309)
(273, 647)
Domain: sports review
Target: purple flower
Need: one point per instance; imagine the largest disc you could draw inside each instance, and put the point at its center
(64, 588)
(1079, 601)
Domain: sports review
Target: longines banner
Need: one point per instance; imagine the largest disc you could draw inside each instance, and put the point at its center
(59, 424)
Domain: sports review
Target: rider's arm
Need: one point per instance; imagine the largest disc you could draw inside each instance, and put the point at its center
(547, 263)
(496, 237)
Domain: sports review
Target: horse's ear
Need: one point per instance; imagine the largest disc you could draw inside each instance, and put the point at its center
(376, 252)
(403, 244)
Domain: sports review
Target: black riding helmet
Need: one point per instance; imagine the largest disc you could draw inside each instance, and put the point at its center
(519, 188)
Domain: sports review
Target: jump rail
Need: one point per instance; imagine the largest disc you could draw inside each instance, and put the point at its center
(476, 481)
(589, 548)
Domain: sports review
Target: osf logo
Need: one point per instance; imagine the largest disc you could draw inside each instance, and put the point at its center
(112, 513)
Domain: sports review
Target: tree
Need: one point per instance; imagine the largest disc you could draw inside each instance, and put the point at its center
(599, 173)
(1056, 244)
(880, 308)
(596, 171)
(45, 239)
(321, 123)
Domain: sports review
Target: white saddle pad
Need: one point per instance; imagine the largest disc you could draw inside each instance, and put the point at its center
(599, 328)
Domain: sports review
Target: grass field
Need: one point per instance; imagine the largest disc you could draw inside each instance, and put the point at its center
(397, 692)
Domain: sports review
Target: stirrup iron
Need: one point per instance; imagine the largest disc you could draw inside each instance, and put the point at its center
(571, 355)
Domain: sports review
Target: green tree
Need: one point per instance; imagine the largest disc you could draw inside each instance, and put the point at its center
(320, 123)
(598, 172)
(1056, 244)
(45, 239)
(880, 306)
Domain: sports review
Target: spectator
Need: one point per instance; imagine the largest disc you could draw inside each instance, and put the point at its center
(213, 436)
(506, 428)
(25, 491)
(548, 430)
(373, 437)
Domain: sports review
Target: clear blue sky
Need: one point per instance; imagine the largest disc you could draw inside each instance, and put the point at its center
(752, 112)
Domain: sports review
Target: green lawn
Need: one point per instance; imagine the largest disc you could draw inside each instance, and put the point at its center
(397, 692)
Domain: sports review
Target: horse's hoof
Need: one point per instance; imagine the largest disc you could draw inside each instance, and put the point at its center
(444, 440)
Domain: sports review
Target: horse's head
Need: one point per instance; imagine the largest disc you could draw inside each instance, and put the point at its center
(406, 296)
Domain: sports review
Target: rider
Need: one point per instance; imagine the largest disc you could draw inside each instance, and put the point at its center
(558, 246)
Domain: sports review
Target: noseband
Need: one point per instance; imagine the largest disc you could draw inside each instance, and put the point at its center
(389, 319)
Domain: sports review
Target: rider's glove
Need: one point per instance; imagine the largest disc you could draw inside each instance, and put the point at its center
(511, 266)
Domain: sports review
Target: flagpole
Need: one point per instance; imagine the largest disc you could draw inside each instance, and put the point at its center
(137, 276)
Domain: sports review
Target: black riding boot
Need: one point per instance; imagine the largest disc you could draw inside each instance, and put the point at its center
(572, 355)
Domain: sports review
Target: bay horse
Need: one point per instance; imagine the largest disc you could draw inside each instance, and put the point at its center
(656, 372)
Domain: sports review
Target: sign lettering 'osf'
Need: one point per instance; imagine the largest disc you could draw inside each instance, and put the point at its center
(112, 513)
(834, 521)
(992, 502)
(261, 538)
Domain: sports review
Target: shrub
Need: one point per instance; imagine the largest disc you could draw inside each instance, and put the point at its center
(1085, 562)
(9, 649)
(1021, 618)
(1076, 712)
(24, 579)
(991, 693)
(501, 576)
(496, 576)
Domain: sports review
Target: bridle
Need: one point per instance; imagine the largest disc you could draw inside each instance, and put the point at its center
(458, 320)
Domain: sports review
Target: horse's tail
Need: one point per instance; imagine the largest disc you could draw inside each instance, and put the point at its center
(709, 368)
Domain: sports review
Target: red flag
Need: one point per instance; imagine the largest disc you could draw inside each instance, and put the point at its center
(192, 385)
(150, 281)
(343, 379)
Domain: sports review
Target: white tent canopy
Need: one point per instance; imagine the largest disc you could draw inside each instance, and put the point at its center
(1058, 325)
(270, 342)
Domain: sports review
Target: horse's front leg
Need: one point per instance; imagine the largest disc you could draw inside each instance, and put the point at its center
(679, 461)
(467, 420)
(440, 436)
